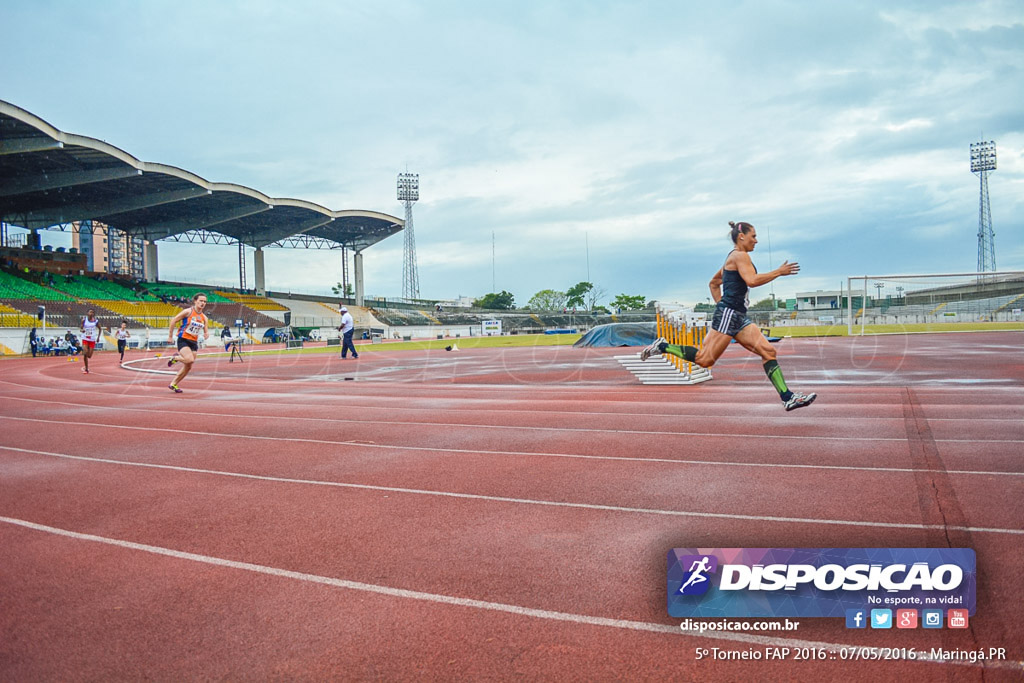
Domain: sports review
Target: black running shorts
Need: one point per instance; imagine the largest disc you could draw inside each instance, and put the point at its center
(727, 321)
(182, 343)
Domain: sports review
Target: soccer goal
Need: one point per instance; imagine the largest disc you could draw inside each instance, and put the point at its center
(938, 298)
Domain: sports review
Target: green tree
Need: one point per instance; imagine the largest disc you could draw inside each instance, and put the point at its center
(629, 302)
(766, 304)
(345, 291)
(547, 300)
(594, 295)
(577, 293)
(501, 301)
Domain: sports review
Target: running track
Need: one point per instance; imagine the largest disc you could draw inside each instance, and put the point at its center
(498, 513)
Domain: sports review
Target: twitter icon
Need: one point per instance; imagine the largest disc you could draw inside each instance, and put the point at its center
(881, 618)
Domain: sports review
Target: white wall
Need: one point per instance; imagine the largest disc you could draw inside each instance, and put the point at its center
(431, 331)
(13, 340)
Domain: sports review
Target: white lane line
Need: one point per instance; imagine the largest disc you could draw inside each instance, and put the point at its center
(747, 417)
(522, 501)
(150, 396)
(513, 428)
(539, 454)
(593, 393)
(518, 610)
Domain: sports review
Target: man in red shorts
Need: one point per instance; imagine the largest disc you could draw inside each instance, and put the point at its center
(91, 330)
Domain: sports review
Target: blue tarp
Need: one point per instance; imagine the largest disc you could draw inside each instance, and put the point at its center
(619, 334)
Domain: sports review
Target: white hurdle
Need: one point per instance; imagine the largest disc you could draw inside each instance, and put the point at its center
(678, 325)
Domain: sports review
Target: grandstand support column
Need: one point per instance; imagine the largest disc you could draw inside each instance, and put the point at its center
(357, 261)
(261, 281)
(152, 268)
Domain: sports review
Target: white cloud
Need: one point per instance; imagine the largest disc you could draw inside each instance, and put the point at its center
(642, 128)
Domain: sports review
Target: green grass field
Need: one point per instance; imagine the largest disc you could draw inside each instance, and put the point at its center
(841, 331)
(569, 339)
(425, 344)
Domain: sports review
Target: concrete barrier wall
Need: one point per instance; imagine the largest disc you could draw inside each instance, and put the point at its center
(13, 340)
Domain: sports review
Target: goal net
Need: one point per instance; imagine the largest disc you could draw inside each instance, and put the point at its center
(929, 299)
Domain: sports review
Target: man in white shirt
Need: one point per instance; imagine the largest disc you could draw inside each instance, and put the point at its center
(347, 328)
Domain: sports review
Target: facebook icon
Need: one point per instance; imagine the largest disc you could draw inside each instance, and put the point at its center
(856, 618)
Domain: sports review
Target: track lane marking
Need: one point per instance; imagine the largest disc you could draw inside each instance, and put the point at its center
(543, 454)
(518, 610)
(503, 411)
(514, 428)
(594, 391)
(539, 454)
(520, 501)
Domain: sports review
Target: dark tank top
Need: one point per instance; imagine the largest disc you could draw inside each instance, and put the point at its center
(735, 292)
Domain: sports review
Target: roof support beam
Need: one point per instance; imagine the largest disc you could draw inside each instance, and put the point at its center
(28, 145)
(102, 210)
(53, 181)
(202, 237)
(294, 229)
(306, 242)
(156, 231)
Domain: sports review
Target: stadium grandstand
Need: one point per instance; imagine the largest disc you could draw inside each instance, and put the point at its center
(253, 301)
(54, 180)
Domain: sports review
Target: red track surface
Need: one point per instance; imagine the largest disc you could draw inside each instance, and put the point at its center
(499, 513)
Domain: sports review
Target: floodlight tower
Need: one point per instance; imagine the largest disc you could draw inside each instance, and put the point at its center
(983, 161)
(409, 192)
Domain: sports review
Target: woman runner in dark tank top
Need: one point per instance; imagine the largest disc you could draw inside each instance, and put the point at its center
(735, 292)
(730, 287)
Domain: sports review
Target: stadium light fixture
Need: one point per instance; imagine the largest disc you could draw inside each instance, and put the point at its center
(408, 187)
(983, 156)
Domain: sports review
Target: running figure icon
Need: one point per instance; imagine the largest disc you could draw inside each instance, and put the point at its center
(697, 569)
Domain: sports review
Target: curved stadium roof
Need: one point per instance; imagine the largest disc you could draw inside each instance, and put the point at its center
(48, 177)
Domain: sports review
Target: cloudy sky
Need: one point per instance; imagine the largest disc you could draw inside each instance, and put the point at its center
(609, 140)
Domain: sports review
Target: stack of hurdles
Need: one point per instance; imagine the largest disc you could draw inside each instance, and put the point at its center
(678, 325)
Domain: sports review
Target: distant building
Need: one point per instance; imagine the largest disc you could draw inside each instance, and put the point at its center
(819, 299)
(109, 250)
(460, 302)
